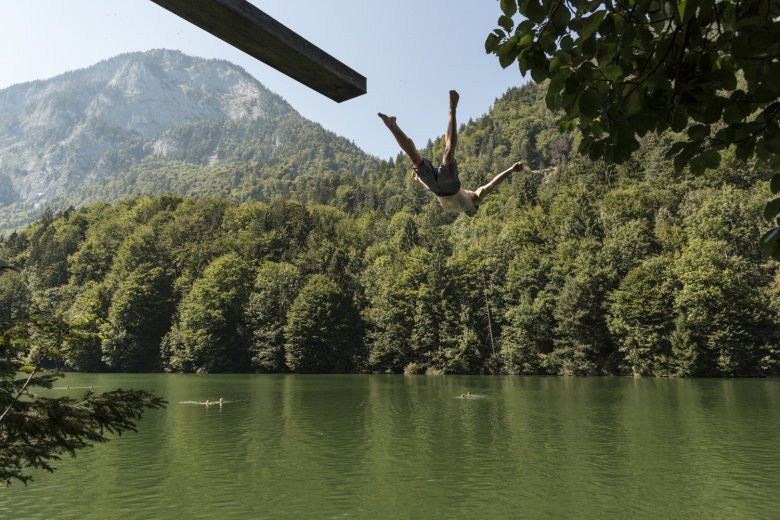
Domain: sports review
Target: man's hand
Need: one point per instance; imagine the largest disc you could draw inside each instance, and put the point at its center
(518, 166)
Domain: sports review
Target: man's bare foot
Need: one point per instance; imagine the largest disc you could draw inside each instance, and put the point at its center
(388, 120)
(454, 97)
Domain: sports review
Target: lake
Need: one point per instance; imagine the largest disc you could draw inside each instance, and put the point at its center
(372, 446)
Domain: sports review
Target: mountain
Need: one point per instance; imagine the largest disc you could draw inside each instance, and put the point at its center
(153, 122)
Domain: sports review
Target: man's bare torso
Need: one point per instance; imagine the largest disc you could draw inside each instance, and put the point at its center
(461, 202)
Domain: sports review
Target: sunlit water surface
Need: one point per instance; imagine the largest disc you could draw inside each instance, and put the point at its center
(409, 447)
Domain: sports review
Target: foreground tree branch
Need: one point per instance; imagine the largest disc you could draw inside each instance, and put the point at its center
(617, 70)
(36, 431)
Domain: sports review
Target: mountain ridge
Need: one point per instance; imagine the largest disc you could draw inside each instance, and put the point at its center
(82, 128)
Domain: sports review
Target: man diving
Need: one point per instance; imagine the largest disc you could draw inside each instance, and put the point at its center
(443, 181)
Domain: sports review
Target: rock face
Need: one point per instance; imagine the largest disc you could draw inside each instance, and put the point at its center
(57, 134)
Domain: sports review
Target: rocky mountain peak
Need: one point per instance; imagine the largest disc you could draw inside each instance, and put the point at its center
(54, 132)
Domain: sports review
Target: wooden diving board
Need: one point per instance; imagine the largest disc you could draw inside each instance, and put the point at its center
(249, 29)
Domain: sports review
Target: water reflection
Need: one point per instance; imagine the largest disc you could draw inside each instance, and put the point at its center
(392, 446)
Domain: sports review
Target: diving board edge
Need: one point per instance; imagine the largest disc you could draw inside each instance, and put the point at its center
(249, 29)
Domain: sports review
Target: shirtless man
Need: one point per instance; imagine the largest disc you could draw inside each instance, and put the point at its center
(443, 181)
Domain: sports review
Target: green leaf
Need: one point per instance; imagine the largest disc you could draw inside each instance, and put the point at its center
(506, 22)
(681, 8)
(553, 100)
(613, 72)
(713, 111)
(538, 74)
(745, 149)
(509, 7)
(590, 102)
(592, 24)
(771, 209)
(635, 101)
(761, 151)
(572, 85)
(684, 157)
(698, 132)
(561, 17)
(679, 121)
(491, 43)
(559, 60)
(507, 52)
(772, 143)
(722, 78)
(687, 9)
(533, 10)
(770, 244)
(675, 149)
(506, 59)
(732, 113)
(607, 27)
(774, 184)
(605, 53)
(526, 26)
(571, 105)
(711, 159)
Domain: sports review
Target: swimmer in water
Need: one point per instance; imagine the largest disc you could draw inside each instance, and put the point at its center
(220, 402)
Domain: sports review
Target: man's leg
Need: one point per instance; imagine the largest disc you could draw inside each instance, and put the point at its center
(404, 142)
(451, 137)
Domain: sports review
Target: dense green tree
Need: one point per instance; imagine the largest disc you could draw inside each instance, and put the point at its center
(724, 308)
(527, 333)
(211, 333)
(389, 317)
(626, 245)
(582, 345)
(89, 308)
(639, 318)
(275, 289)
(323, 332)
(139, 316)
(728, 215)
(15, 297)
(50, 245)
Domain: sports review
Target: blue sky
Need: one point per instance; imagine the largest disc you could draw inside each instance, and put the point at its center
(412, 52)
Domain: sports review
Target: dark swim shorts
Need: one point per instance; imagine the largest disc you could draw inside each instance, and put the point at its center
(443, 181)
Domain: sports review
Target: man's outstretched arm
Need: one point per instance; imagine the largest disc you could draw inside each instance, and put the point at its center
(483, 191)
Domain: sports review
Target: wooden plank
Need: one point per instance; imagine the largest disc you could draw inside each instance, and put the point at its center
(249, 29)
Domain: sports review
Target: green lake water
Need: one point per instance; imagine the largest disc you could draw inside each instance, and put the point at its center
(407, 447)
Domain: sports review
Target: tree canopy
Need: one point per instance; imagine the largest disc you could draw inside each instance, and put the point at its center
(573, 267)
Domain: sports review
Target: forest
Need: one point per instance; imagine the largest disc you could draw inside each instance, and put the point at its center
(573, 267)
